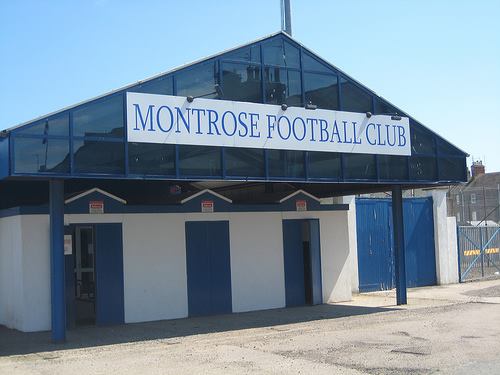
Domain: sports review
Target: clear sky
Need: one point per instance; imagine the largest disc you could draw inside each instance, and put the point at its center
(439, 60)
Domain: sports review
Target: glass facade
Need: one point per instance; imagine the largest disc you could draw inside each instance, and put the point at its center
(242, 82)
(90, 138)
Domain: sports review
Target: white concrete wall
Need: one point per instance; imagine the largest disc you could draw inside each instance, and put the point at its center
(257, 268)
(35, 273)
(154, 257)
(446, 250)
(11, 281)
(454, 276)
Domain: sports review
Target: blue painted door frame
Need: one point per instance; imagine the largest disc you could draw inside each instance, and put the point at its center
(302, 262)
(109, 274)
(208, 268)
(375, 238)
(109, 278)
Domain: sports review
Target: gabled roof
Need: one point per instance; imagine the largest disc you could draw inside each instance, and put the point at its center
(487, 180)
(205, 59)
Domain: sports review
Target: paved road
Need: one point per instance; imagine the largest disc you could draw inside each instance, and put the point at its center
(445, 330)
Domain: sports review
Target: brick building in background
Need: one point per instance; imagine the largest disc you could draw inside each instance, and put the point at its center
(477, 201)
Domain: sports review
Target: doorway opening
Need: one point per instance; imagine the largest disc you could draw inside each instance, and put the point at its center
(84, 275)
(301, 245)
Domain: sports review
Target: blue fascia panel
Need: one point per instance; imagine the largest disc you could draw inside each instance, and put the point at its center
(4, 157)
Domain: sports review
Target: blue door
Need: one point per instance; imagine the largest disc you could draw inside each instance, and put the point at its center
(302, 262)
(375, 250)
(208, 267)
(109, 274)
(375, 243)
(419, 242)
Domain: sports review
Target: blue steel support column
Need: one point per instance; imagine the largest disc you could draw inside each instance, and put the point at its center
(399, 244)
(58, 306)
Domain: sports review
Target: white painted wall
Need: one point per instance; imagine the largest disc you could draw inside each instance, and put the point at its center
(257, 268)
(154, 257)
(35, 273)
(154, 254)
(11, 281)
(446, 251)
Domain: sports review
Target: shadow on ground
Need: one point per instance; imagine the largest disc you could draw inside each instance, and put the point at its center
(13, 342)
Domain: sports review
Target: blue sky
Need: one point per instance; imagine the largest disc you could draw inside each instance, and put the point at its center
(439, 60)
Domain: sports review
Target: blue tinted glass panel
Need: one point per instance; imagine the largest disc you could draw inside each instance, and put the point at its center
(199, 81)
(309, 63)
(452, 169)
(324, 165)
(250, 54)
(392, 167)
(321, 90)
(294, 89)
(292, 56)
(98, 157)
(103, 118)
(283, 86)
(354, 99)
(423, 168)
(200, 161)
(152, 159)
(160, 86)
(286, 163)
(384, 108)
(446, 148)
(278, 52)
(359, 166)
(241, 82)
(58, 126)
(244, 162)
(422, 141)
(274, 53)
(36, 155)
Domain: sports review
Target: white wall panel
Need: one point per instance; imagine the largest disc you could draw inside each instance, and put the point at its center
(11, 283)
(36, 273)
(154, 257)
(257, 270)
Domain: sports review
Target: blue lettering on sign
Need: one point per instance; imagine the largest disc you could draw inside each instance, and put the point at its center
(149, 116)
(289, 126)
(170, 117)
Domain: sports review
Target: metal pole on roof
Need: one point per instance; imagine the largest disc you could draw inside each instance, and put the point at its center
(286, 17)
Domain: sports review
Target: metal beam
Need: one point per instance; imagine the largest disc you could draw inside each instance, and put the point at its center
(286, 17)
(399, 244)
(58, 306)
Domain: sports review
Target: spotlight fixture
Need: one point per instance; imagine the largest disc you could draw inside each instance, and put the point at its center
(284, 107)
(396, 117)
(311, 106)
(368, 114)
(190, 99)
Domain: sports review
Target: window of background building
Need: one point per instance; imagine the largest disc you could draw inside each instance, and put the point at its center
(473, 198)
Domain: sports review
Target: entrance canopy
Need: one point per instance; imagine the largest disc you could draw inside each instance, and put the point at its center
(90, 140)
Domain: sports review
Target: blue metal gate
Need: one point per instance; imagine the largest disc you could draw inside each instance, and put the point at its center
(376, 245)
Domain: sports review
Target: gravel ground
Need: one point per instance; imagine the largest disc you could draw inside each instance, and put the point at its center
(459, 337)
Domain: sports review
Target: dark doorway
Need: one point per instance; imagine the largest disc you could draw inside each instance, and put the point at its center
(84, 275)
(94, 274)
(302, 260)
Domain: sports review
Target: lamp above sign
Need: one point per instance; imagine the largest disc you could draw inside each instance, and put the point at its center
(175, 120)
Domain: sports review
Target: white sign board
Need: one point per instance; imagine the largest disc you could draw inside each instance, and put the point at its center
(96, 207)
(68, 244)
(173, 120)
(207, 206)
